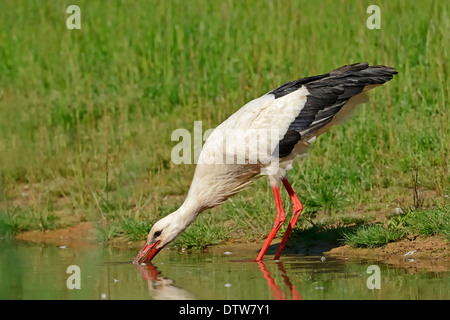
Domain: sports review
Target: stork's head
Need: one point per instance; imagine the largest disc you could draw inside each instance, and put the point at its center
(162, 233)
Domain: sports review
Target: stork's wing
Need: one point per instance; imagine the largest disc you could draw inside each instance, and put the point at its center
(294, 111)
(327, 95)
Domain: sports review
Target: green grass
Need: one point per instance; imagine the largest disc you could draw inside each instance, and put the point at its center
(423, 223)
(372, 236)
(86, 115)
(432, 222)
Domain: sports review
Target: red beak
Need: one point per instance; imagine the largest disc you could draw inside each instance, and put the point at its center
(147, 253)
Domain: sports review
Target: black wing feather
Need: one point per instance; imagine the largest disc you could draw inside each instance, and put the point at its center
(328, 93)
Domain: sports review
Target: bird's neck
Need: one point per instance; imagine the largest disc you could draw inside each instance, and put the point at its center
(186, 214)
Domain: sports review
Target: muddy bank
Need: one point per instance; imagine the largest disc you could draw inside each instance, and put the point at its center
(435, 247)
(82, 234)
(431, 253)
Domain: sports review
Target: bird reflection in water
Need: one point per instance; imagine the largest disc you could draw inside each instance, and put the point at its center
(162, 288)
(275, 290)
(159, 287)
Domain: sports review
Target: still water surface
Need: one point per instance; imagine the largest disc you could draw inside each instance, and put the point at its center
(30, 271)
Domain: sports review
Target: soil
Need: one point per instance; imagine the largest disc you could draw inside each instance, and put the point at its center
(431, 253)
(82, 234)
(419, 254)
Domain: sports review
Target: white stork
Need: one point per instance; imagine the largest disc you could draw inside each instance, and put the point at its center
(282, 123)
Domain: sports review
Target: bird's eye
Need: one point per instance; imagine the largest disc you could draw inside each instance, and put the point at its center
(157, 234)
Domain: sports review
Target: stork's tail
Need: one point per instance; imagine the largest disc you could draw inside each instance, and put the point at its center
(360, 74)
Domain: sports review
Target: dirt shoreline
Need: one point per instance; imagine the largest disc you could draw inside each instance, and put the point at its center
(431, 253)
(420, 254)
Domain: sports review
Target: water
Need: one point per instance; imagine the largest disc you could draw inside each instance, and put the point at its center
(29, 271)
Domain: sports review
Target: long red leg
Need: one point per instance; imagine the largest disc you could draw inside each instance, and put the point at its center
(279, 219)
(296, 211)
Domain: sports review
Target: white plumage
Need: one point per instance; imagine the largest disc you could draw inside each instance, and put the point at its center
(264, 137)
